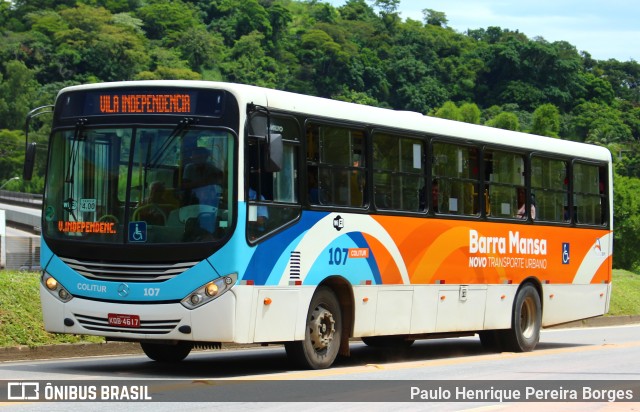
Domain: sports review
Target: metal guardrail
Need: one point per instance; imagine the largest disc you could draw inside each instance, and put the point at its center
(23, 253)
(21, 199)
(22, 210)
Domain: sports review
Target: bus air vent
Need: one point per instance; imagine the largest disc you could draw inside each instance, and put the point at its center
(127, 272)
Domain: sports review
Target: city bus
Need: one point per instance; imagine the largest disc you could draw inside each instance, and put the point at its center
(189, 214)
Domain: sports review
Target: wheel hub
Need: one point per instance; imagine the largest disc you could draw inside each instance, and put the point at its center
(322, 328)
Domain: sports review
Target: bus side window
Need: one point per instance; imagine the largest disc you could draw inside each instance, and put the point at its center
(337, 155)
(504, 174)
(551, 187)
(398, 172)
(590, 197)
(455, 183)
(272, 197)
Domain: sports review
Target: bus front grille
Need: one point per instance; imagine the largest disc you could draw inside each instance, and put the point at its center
(146, 327)
(127, 272)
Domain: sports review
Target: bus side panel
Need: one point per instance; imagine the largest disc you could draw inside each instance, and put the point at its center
(565, 303)
(499, 306)
(461, 308)
(425, 309)
(276, 314)
(393, 311)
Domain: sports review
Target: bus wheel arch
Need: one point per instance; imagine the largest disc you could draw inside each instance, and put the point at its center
(327, 327)
(344, 293)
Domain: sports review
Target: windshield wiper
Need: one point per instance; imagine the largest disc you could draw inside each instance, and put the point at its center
(69, 204)
(182, 126)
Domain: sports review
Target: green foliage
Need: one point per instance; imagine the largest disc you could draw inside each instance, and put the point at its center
(546, 120)
(470, 113)
(504, 120)
(449, 110)
(362, 51)
(625, 299)
(17, 89)
(626, 217)
(21, 315)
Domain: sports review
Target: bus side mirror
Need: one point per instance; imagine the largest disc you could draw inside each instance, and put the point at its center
(273, 162)
(29, 161)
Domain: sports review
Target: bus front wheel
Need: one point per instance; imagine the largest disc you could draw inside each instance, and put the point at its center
(162, 352)
(322, 335)
(526, 321)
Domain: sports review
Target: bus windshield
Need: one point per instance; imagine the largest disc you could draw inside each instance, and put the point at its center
(154, 185)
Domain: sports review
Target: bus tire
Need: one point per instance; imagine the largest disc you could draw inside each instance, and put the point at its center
(525, 322)
(323, 333)
(162, 352)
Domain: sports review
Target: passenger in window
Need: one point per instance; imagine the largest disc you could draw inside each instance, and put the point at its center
(522, 205)
(199, 171)
(152, 209)
(262, 212)
(435, 195)
(357, 183)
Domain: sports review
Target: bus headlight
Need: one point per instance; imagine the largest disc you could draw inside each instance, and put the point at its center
(210, 291)
(55, 288)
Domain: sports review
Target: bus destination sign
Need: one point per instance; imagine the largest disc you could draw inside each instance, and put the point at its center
(145, 103)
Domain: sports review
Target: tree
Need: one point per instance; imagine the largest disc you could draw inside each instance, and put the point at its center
(17, 91)
(387, 6)
(167, 18)
(505, 120)
(470, 113)
(435, 18)
(599, 123)
(450, 111)
(627, 219)
(11, 155)
(546, 120)
(248, 62)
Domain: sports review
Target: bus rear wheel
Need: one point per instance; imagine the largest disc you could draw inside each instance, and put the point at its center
(525, 323)
(323, 333)
(163, 352)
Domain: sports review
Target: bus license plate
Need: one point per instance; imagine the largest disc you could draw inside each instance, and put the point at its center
(124, 321)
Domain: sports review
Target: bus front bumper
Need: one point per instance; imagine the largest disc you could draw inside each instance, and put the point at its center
(212, 322)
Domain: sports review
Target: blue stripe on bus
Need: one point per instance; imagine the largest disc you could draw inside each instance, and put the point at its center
(270, 258)
(267, 253)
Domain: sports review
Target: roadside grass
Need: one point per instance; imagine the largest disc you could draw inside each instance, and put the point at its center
(21, 314)
(625, 297)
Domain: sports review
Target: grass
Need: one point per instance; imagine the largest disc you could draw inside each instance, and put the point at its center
(21, 314)
(625, 298)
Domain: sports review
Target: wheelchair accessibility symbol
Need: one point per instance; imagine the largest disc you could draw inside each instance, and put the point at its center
(137, 231)
(565, 254)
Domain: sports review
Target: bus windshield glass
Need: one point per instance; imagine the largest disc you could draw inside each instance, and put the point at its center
(154, 185)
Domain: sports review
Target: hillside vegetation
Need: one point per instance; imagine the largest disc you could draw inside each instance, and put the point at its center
(362, 51)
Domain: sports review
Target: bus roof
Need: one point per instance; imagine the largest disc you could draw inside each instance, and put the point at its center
(412, 122)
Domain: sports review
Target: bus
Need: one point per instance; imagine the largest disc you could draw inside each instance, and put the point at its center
(188, 214)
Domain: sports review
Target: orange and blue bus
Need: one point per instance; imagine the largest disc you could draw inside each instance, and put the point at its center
(182, 214)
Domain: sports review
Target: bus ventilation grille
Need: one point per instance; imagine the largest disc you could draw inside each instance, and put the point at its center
(147, 327)
(128, 272)
(294, 265)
